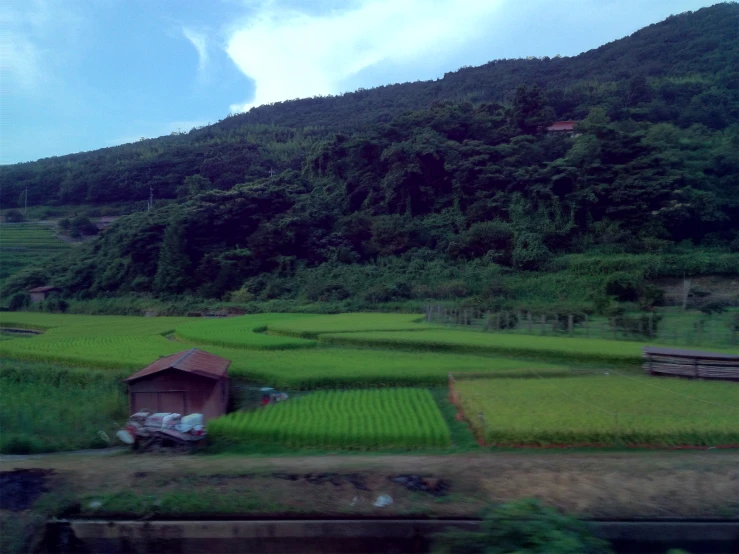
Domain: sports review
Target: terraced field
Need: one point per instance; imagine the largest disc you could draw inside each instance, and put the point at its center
(348, 323)
(120, 342)
(243, 332)
(354, 420)
(530, 399)
(602, 410)
(22, 244)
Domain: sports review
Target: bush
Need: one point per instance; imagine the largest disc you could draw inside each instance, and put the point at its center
(640, 325)
(625, 287)
(451, 289)
(524, 527)
(19, 301)
(14, 216)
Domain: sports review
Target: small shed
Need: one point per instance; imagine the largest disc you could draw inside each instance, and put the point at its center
(39, 294)
(193, 381)
(562, 127)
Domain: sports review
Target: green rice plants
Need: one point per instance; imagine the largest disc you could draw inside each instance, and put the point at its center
(247, 331)
(546, 348)
(603, 410)
(354, 420)
(347, 323)
(47, 409)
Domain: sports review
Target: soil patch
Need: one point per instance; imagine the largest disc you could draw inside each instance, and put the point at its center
(20, 488)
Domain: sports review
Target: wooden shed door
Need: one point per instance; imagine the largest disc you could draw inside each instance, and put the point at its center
(172, 402)
(144, 401)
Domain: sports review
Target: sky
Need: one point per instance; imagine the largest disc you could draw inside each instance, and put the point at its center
(78, 75)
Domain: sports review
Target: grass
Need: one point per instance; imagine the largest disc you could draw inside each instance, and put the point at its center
(353, 420)
(23, 244)
(46, 408)
(242, 332)
(602, 410)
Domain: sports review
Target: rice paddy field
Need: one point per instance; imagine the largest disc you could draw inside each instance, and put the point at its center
(524, 385)
(602, 410)
(22, 244)
(353, 420)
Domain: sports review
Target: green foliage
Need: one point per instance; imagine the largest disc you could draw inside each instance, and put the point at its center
(75, 405)
(457, 172)
(602, 410)
(82, 226)
(13, 216)
(524, 527)
(363, 420)
(19, 301)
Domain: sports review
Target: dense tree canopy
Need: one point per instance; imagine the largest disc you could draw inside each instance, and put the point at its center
(460, 169)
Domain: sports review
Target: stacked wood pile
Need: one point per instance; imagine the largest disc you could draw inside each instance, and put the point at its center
(691, 363)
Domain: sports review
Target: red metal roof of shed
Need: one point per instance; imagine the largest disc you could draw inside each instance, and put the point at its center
(192, 361)
(44, 289)
(562, 126)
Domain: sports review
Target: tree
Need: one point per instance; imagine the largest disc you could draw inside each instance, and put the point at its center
(193, 185)
(173, 268)
(531, 110)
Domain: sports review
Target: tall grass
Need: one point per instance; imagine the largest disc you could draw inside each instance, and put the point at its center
(46, 408)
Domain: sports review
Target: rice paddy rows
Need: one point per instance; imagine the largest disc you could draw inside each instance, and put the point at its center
(22, 244)
(602, 410)
(242, 332)
(361, 420)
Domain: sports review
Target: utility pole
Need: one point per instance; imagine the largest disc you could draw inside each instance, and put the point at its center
(151, 198)
(271, 172)
(25, 206)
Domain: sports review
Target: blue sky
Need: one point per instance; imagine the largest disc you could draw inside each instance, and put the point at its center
(78, 75)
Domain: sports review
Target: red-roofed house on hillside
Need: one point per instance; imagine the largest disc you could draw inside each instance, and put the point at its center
(562, 127)
(39, 294)
(193, 381)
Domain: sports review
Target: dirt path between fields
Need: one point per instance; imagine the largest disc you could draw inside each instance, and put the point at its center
(602, 484)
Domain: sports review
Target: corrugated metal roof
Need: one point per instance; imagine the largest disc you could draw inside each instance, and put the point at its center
(43, 289)
(680, 353)
(194, 361)
(562, 126)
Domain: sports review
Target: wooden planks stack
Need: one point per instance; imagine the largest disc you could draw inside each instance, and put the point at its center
(695, 364)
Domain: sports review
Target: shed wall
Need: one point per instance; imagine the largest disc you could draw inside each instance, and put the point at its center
(178, 391)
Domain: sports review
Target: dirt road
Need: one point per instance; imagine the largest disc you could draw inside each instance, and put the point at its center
(598, 484)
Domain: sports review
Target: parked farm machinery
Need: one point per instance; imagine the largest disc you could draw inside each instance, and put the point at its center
(166, 432)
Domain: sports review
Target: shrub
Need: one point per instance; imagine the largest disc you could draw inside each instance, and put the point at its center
(623, 286)
(14, 216)
(451, 289)
(18, 301)
(525, 527)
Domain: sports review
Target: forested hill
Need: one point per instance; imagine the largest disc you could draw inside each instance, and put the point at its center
(440, 201)
(682, 70)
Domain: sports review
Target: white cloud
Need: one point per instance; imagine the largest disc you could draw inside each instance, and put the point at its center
(198, 40)
(33, 31)
(293, 54)
(19, 60)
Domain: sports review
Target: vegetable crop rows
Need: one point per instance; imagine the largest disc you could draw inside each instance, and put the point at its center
(362, 420)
